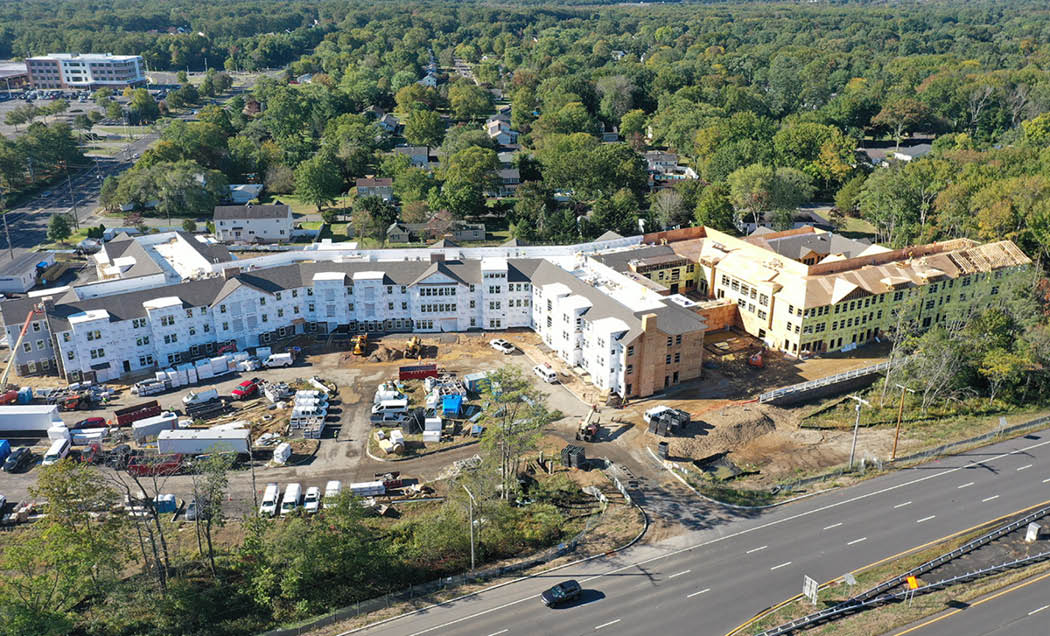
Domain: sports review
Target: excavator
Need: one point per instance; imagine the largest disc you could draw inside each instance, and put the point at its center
(360, 344)
(414, 348)
(37, 309)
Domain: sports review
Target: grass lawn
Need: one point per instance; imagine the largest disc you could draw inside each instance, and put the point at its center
(134, 131)
(297, 205)
(855, 225)
(336, 231)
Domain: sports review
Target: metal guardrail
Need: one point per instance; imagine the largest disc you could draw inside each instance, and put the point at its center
(825, 381)
(875, 596)
(848, 607)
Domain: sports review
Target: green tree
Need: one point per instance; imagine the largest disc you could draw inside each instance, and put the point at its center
(847, 196)
(714, 209)
(757, 189)
(424, 128)
(902, 115)
(317, 181)
(58, 228)
(189, 225)
(211, 484)
(469, 101)
(472, 166)
(514, 419)
(618, 212)
(667, 208)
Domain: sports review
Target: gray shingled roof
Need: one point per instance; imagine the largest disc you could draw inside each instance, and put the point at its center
(249, 211)
(618, 260)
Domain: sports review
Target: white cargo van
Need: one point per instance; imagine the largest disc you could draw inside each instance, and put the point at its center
(59, 449)
(331, 492)
(279, 360)
(292, 494)
(545, 373)
(390, 406)
(268, 508)
(200, 397)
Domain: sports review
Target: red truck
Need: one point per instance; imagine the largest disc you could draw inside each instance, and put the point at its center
(126, 416)
(417, 372)
(9, 398)
(141, 466)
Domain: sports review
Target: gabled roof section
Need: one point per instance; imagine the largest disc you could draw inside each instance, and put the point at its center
(437, 269)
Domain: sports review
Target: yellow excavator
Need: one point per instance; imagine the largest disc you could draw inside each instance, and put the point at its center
(414, 348)
(361, 344)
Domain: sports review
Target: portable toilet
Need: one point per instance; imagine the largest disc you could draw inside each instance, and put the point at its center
(25, 395)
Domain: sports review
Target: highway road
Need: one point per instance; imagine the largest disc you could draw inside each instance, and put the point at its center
(731, 564)
(1022, 609)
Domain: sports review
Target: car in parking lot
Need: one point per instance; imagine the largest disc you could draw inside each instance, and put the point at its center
(17, 460)
(312, 501)
(561, 593)
(501, 345)
(91, 422)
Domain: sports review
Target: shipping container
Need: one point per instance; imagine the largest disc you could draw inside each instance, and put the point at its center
(127, 416)
(417, 372)
(146, 428)
(196, 442)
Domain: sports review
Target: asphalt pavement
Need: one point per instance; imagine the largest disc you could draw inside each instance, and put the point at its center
(1022, 609)
(734, 563)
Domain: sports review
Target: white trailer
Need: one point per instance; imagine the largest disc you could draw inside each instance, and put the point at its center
(29, 417)
(149, 427)
(196, 442)
(368, 488)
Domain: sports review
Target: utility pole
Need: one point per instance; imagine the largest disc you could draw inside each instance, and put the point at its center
(472, 502)
(856, 425)
(900, 417)
(72, 199)
(3, 212)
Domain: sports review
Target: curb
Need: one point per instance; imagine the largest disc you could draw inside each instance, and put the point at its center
(408, 459)
(729, 505)
(629, 544)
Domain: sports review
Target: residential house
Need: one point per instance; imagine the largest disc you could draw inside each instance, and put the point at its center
(501, 132)
(241, 193)
(382, 187)
(507, 181)
(419, 156)
(389, 123)
(252, 223)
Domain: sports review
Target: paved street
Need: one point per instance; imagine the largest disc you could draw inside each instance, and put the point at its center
(1022, 609)
(734, 563)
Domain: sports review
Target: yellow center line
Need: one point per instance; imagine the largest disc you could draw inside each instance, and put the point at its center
(972, 605)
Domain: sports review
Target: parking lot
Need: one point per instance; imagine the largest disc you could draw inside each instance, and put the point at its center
(341, 453)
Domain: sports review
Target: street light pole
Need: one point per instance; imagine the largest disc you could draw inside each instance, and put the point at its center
(472, 502)
(900, 418)
(856, 425)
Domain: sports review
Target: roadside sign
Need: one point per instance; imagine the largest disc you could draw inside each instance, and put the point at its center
(809, 589)
(913, 583)
(849, 579)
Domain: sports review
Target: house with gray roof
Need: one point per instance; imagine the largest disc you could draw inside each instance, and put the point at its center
(250, 223)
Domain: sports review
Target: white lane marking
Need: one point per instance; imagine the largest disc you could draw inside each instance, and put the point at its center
(607, 624)
(756, 549)
(906, 503)
(966, 485)
(925, 519)
(706, 589)
(502, 631)
(1046, 481)
(1037, 610)
(834, 525)
(703, 544)
(1023, 467)
(680, 573)
(857, 540)
(782, 565)
(987, 499)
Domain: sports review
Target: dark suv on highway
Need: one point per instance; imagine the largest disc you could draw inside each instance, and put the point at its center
(561, 593)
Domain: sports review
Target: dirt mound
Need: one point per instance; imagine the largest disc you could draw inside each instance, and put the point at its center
(723, 430)
(386, 354)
